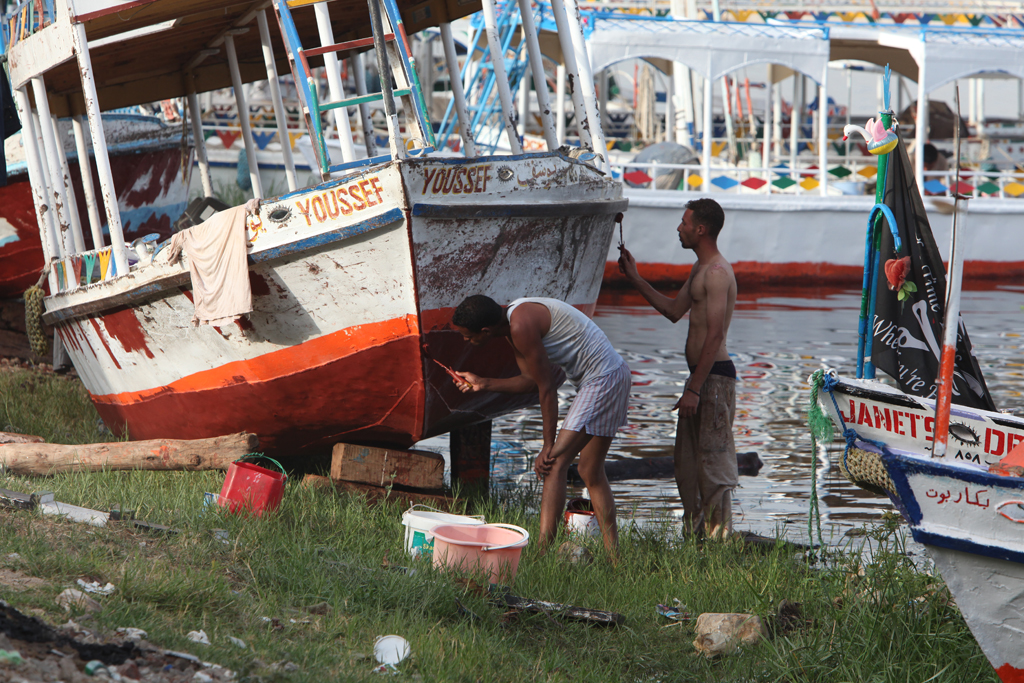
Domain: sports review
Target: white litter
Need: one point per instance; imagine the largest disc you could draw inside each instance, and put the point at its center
(130, 633)
(391, 649)
(95, 587)
(198, 637)
(237, 642)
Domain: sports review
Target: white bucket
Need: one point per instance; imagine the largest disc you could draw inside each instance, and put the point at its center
(419, 542)
(582, 524)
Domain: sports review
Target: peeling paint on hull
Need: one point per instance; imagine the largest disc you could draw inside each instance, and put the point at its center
(349, 279)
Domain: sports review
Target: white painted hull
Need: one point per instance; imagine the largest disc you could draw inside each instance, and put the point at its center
(349, 278)
(805, 240)
(971, 521)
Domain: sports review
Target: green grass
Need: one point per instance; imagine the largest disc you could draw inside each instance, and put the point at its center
(884, 622)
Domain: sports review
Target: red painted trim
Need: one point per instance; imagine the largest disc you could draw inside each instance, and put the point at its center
(976, 273)
(81, 18)
(281, 363)
(1010, 674)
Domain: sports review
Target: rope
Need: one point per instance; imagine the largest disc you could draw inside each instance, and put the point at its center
(34, 316)
(821, 430)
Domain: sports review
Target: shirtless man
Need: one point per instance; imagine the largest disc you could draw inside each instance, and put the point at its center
(705, 456)
(542, 333)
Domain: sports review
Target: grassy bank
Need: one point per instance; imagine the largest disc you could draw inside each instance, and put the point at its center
(881, 622)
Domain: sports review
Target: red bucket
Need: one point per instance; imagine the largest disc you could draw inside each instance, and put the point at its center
(252, 488)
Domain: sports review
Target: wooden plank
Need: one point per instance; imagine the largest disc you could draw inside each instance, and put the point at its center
(158, 454)
(385, 466)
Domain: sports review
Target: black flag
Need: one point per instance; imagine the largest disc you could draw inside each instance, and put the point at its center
(911, 299)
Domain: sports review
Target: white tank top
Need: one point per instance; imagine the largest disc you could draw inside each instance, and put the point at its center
(574, 342)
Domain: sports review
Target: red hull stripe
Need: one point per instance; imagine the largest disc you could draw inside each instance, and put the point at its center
(292, 360)
(809, 273)
(1010, 674)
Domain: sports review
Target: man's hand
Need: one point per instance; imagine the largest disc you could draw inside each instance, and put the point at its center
(544, 462)
(687, 404)
(472, 383)
(627, 265)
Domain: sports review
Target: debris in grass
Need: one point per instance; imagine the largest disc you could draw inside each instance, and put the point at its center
(129, 633)
(722, 634)
(503, 597)
(320, 608)
(71, 597)
(391, 649)
(95, 587)
(238, 642)
(198, 637)
(674, 613)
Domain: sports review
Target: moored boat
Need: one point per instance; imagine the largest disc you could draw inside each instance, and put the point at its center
(935, 445)
(352, 279)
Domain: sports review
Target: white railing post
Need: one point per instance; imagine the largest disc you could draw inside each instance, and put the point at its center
(37, 181)
(560, 104)
(586, 82)
(540, 79)
(337, 90)
(921, 127)
(500, 76)
(243, 113)
(85, 167)
(708, 125)
(69, 190)
(275, 96)
(58, 196)
(461, 112)
(823, 133)
(196, 117)
(99, 142)
(572, 73)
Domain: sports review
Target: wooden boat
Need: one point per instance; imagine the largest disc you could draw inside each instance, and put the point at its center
(933, 458)
(149, 171)
(353, 279)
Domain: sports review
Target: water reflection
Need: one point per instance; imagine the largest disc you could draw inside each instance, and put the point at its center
(778, 338)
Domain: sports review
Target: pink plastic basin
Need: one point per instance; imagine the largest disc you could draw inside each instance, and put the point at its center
(489, 549)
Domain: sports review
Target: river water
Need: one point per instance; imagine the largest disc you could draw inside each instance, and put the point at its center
(777, 339)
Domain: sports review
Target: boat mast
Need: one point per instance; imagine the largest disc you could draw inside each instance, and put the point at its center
(951, 330)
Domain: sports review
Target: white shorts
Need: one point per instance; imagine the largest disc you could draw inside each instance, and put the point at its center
(599, 408)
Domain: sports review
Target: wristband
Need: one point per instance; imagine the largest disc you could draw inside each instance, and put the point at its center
(695, 392)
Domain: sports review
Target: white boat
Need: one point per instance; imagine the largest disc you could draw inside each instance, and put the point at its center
(353, 279)
(786, 219)
(942, 464)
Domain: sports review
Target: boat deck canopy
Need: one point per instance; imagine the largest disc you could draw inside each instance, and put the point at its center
(141, 50)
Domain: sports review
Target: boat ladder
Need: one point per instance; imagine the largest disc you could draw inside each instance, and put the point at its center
(392, 50)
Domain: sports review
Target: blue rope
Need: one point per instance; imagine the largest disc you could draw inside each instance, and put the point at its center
(828, 383)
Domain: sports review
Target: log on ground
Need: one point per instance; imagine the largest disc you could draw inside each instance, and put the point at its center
(158, 454)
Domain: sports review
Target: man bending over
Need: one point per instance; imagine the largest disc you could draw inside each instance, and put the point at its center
(543, 332)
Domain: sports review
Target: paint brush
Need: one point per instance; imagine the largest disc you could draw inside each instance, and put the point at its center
(618, 219)
(451, 373)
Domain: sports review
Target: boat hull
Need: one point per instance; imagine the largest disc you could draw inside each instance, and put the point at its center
(970, 523)
(968, 519)
(804, 240)
(342, 305)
